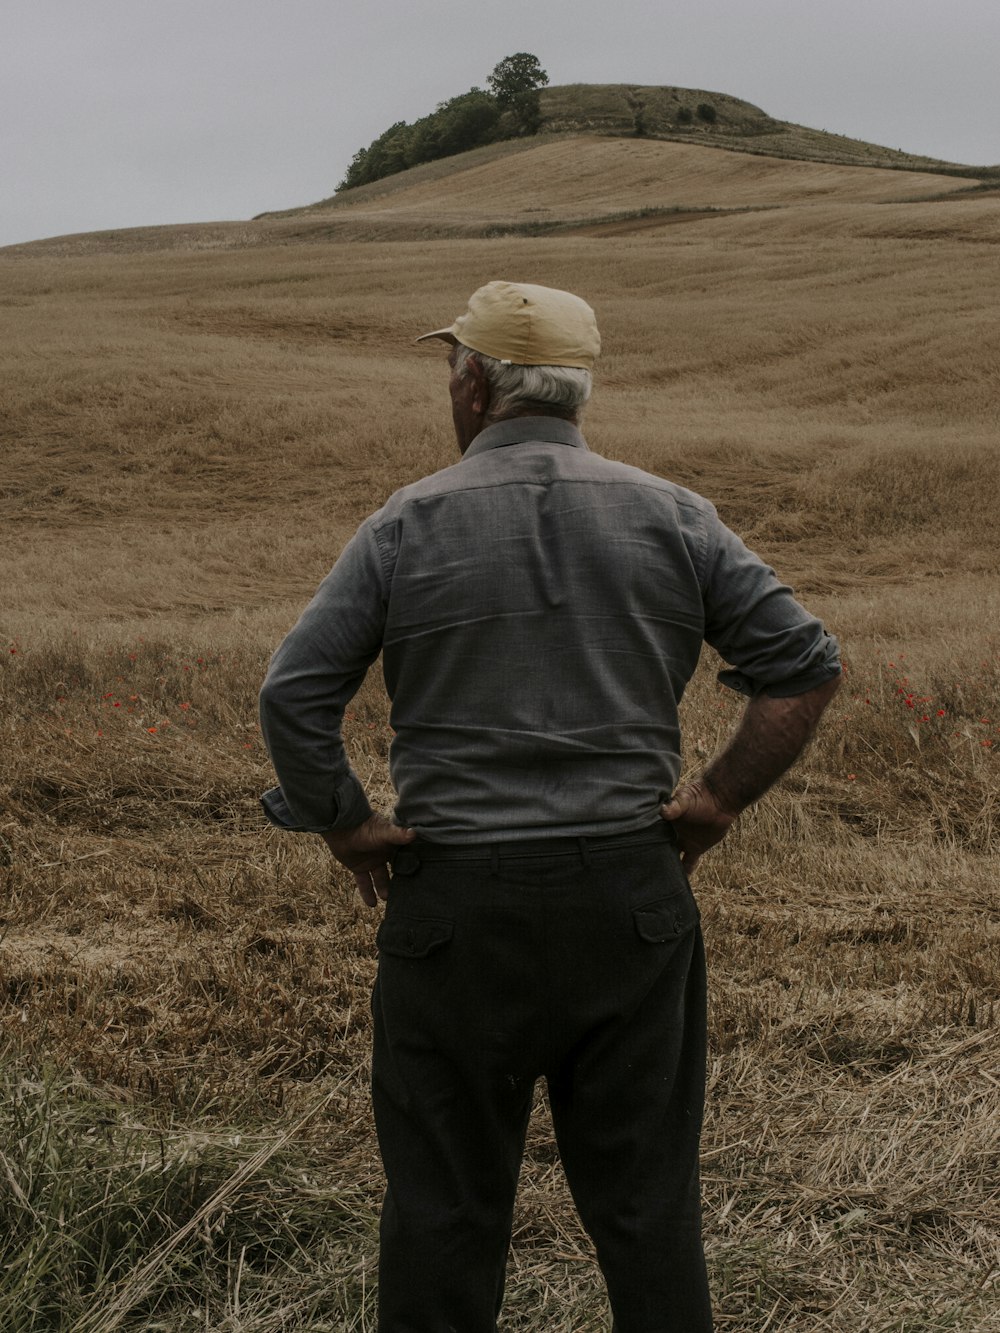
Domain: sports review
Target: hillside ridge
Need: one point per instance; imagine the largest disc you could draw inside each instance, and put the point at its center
(698, 115)
(669, 113)
(588, 167)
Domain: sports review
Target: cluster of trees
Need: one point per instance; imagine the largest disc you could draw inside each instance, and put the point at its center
(509, 109)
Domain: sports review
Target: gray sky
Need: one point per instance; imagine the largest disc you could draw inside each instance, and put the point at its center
(118, 113)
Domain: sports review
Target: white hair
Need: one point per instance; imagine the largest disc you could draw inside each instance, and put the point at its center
(520, 390)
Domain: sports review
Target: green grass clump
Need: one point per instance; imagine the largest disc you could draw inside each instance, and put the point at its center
(106, 1221)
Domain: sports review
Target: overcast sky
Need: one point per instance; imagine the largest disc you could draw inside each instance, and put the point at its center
(118, 113)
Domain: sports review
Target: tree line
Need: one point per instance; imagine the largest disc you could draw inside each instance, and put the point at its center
(507, 109)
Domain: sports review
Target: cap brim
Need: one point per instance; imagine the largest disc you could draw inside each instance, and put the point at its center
(445, 334)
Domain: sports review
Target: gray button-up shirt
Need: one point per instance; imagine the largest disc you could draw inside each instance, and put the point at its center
(539, 610)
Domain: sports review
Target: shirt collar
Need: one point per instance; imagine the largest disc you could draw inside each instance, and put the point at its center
(522, 430)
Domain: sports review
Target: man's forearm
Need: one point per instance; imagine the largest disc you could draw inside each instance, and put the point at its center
(771, 736)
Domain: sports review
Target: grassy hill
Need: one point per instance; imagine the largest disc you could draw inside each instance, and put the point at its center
(577, 182)
(550, 184)
(587, 167)
(683, 115)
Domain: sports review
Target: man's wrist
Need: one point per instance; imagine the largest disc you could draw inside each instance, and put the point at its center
(716, 789)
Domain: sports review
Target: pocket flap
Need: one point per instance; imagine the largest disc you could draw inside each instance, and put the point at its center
(412, 936)
(666, 919)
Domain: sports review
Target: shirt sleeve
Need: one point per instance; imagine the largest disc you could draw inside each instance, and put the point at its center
(312, 677)
(771, 643)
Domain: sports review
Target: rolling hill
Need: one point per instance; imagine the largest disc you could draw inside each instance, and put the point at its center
(587, 168)
(583, 180)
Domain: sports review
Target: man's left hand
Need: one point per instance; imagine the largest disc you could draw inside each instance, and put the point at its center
(699, 821)
(365, 852)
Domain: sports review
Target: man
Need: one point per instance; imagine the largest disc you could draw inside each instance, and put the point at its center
(540, 610)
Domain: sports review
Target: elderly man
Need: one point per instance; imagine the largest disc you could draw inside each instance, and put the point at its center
(539, 611)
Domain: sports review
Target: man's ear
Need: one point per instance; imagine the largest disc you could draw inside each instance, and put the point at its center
(480, 385)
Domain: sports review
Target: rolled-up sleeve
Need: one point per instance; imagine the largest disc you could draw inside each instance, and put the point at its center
(769, 640)
(312, 677)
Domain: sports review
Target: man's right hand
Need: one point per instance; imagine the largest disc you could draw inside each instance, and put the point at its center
(698, 819)
(366, 851)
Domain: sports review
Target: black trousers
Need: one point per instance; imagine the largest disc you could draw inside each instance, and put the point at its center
(577, 961)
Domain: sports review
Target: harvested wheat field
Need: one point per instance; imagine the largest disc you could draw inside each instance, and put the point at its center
(579, 177)
(191, 429)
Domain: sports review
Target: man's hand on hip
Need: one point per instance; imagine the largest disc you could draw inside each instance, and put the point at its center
(365, 852)
(698, 819)
(771, 735)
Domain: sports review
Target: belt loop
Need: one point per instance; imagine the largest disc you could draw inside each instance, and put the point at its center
(495, 859)
(584, 852)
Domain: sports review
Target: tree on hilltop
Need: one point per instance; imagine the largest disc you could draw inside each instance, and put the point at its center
(514, 83)
(515, 75)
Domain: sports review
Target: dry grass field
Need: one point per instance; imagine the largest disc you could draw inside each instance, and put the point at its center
(193, 421)
(564, 179)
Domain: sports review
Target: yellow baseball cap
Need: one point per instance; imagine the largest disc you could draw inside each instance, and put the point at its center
(527, 326)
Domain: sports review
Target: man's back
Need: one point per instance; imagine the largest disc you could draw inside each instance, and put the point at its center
(544, 609)
(544, 615)
(540, 610)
